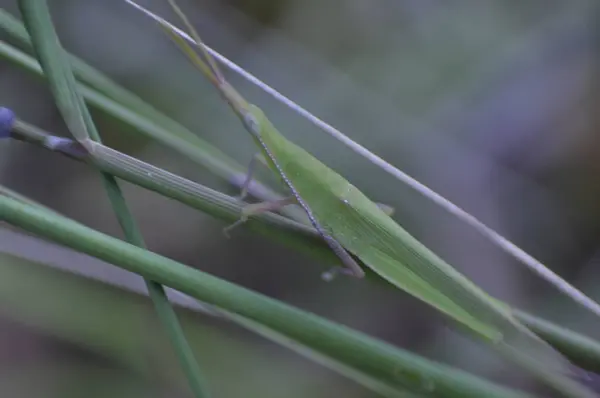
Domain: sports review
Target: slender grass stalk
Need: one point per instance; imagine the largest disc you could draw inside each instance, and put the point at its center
(378, 361)
(587, 350)
(519, 254)
(63, 86)
(195, 195)
(582, 350)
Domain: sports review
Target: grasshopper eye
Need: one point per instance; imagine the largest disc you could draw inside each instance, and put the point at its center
(252, 123)
(7, 119)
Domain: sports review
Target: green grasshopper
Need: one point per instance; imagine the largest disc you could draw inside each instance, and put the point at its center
(354, 227)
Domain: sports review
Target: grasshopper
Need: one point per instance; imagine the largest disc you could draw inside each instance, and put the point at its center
(356, 228)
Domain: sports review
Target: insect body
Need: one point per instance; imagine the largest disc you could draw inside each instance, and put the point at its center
(364, 229)
(361, 227)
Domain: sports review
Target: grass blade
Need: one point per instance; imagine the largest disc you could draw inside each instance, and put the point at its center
(580, 349)
(63, 86)
(398, 369)
(195, 195)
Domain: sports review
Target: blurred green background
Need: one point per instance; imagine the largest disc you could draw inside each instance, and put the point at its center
(493, 104)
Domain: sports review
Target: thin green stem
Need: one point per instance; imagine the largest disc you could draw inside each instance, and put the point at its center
(195, 195)
(582, 350)
(64, 88)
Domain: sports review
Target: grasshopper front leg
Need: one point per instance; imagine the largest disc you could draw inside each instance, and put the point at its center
(244, 188)
(350, 268)
(258, 208)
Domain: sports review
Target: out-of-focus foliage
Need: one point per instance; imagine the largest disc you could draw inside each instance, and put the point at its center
(490, 103)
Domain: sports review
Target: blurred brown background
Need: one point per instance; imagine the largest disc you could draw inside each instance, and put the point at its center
(493, 104)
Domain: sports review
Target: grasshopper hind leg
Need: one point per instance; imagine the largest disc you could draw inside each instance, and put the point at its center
(350, 266)
(332, 273)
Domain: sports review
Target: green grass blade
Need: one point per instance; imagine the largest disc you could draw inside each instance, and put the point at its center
(63, 86)
(197, 196)
(49, 54)
(400, 370)
(582, 350)
(121, 348)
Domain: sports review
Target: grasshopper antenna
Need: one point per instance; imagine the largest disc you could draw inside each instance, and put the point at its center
(210, 62)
